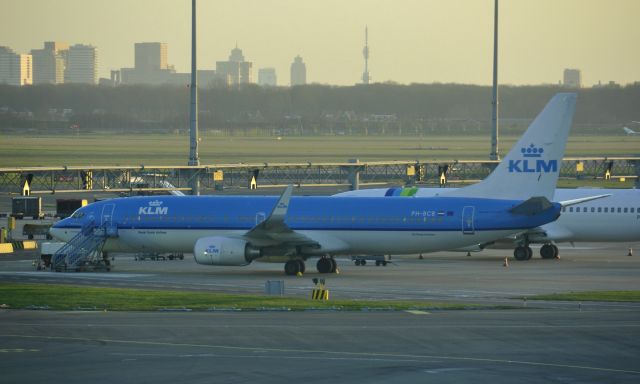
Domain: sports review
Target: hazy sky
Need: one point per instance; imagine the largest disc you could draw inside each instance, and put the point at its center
(410, 40)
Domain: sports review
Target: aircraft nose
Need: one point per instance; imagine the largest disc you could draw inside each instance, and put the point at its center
(57, 230)
(56, 233)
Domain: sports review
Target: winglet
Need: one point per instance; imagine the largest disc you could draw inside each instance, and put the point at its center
(280, 210)
(275, 222)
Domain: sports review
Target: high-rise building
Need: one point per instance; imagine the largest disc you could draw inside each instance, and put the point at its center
(151, 56)
(235, 71)
(15, 69)
(82, 64)
(267, 77)
(572, 78)
(49, 63)
(298, 72)
(236, 55)
(151, 65)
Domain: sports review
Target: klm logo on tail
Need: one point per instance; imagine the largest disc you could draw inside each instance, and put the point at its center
(532, 162)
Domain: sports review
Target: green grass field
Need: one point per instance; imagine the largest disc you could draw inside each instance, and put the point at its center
(94, 149)
(69, 297)
(616, 296)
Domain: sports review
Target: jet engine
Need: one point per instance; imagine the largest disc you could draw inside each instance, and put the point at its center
(219, 250)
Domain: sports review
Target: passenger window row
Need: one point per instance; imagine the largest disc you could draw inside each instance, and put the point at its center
(299, 219)
(602, 209)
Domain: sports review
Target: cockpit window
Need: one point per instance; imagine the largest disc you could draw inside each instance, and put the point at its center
(77, 215)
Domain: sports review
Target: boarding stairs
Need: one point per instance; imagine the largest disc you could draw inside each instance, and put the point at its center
(83, 250)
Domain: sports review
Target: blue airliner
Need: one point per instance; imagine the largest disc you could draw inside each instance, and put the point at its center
(235, 230)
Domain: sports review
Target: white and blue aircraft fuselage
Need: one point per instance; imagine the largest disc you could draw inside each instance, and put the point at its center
(236, 230)
(316, 225)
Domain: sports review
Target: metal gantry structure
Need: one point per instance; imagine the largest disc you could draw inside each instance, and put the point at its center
(352, 174)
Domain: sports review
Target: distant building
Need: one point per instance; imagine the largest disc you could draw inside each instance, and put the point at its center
(15, 69)
(82, 65)
(150, 56)
(267, 77)
(236, 70)
(610, 84)
(116, 77)
(298, 72)
(572, 78)
(151, 65)
(50, 62)
(206, 78)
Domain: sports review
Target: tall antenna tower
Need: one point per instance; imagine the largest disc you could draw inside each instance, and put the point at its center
(365, 53)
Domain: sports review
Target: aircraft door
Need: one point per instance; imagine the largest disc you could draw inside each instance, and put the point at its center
(467, 220)
(106, 220)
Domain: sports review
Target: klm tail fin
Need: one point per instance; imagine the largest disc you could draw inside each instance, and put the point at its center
(532, 166)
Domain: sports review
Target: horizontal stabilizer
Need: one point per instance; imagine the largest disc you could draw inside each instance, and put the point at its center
(567, 203)
(532, 206)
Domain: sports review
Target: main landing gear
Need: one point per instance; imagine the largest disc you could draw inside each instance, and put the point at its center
(293, 267)
(326, 265)
(549, 251)
(524, 252)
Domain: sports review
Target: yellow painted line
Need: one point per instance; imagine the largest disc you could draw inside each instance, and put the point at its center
(361, 355)
(6, 248)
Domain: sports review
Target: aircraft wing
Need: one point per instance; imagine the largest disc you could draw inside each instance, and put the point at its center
(273, 231)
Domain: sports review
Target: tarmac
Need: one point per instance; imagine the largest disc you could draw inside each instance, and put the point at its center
(499, 346)
(538, 342)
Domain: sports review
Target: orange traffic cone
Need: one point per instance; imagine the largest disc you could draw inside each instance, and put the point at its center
(506, 262)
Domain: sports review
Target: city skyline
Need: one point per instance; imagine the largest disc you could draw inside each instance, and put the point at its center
(410, 41)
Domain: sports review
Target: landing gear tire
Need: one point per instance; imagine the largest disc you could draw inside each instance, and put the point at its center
(522, 253)
(292, 267)
(334, 265)
(301, 265)
(549, 251)
(325, 265)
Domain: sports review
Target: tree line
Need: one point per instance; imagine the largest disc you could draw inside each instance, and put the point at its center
(310, 109)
